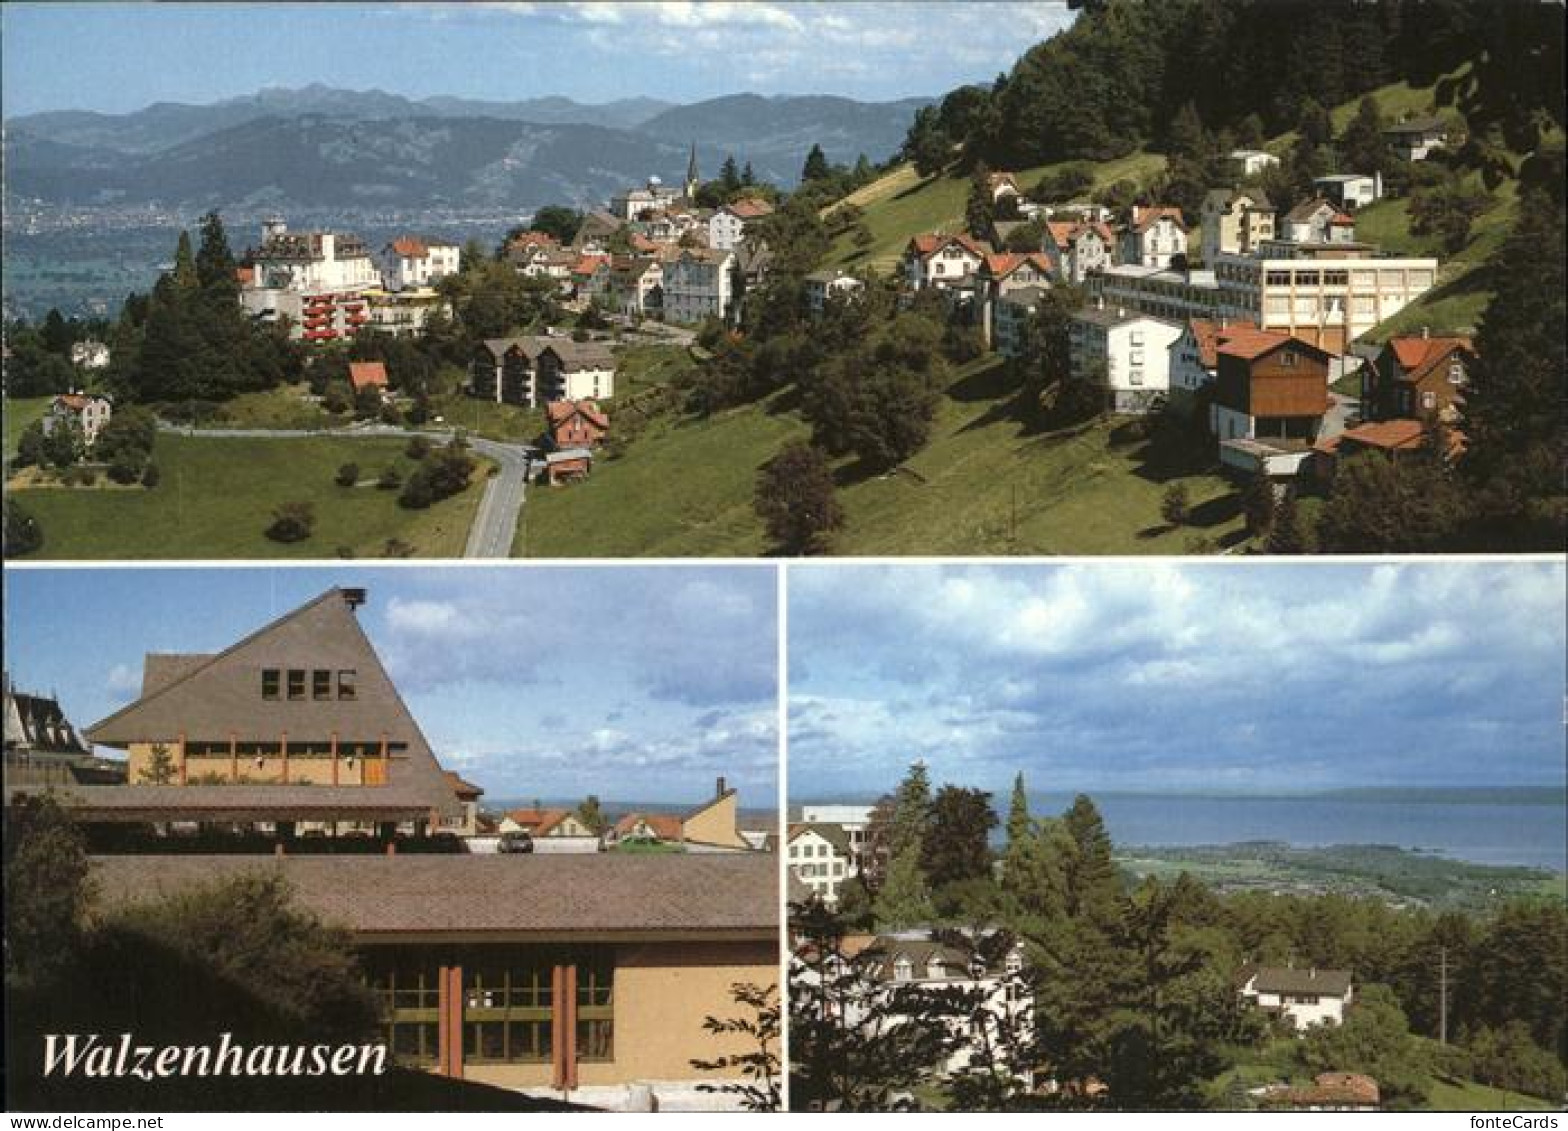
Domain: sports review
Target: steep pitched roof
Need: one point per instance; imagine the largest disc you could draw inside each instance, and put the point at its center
(464, 789)
(927, 244)
(1148, 217)
(37, 722)
(410, 247)
(222, 697)
(545, 895)
(749, 208)
(833, 834)
(665, 826)
(1253, 344)
(1209, 334)
(159, 669)
(557, 413)
(1417, 355)
(999, 265)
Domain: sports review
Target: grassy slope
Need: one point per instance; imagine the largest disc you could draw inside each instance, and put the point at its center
(982, 486)
(19, 413)
(217, 495)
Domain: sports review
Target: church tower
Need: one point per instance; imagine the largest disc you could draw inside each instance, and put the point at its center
(691, 175)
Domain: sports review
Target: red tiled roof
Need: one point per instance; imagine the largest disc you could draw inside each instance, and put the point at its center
(245, 276)
(1147, 217)
(1417, 356)
(750, 208)
(367, 374)
(533, 239)
(73, 401)
(999, 265)
(588, 264)
(662, 825)
(927, 244)
(1210, 334)
(1252, 344)
(538, 821)
(558, 412)
(410, 247)
(1388, 435)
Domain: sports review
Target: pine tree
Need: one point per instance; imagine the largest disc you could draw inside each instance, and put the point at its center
(160, 766)
(980, 211)
(905, 898)
(1286, 535)
(214, 261)
(1019, 823)
(729, 176)
(184, 273)
(816, 167)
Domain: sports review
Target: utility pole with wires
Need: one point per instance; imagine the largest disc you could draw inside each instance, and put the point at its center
(1442, 995)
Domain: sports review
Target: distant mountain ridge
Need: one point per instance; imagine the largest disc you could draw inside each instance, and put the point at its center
(318, 146)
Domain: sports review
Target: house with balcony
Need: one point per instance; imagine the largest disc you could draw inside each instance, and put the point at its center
(1235, 221)
(937, 259)
(699, 283)
(1074, 248)
(1153, 237)
(1303, 996)
(88, 411)
(318, 280)
(1415, 138)
(411, 262)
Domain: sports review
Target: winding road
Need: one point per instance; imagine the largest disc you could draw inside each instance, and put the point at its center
(495, 521)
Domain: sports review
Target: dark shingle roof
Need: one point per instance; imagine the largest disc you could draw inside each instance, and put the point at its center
(539, 894)
(1293, 980)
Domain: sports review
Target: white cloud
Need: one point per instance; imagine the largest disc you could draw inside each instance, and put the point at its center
(124, 680)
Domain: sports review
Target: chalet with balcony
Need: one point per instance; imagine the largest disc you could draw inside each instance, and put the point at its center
(1418, 375)
(1270, 395)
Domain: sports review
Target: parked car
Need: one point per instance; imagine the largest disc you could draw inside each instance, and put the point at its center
(519, 841)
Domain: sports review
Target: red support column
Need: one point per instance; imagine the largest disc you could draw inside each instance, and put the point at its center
(455, 1022)
(385, 757)
(182, 757)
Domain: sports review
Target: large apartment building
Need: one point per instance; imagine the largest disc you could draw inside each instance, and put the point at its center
(317, 280)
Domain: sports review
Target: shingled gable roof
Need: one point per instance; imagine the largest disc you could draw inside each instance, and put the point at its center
(541, 897)
(1153, 214)
(833, 834)
(1294, 980)
(159, 669)
(1209, 333)
(1417, 356)
(1253, 344)
(927, 244)
(222, 696)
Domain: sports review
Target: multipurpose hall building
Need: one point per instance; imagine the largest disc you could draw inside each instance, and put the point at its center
(292, 750)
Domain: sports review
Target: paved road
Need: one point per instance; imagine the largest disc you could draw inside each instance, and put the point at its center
(495, 522)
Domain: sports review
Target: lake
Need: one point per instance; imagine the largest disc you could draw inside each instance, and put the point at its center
(1532, 834)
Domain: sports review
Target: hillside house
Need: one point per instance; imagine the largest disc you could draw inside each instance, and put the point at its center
(1153, 237)
(88, 411)
(415, 261)
(634, 203)
(1015, 312)
(1415, 138)
(363, 375)
(1418, 375)
(1194, 355)
(1252, 162)
(1270, 395)
(1128, 352)
(1235, 221)
(1074, 248)
(1329, 1091)
(936, 259)
(728, 224)
(575, 424)
(90, 354)
(1350, 191)
(1318, 221)
(1304, 997)
(535, 370)
(699, 283)
(1001, 273)
(593, 234)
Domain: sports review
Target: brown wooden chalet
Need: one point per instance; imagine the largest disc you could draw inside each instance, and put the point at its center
(576, 424)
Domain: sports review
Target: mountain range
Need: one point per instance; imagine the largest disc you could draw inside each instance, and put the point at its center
(319, 147)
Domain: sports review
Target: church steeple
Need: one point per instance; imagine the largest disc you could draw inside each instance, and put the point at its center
(691, 174)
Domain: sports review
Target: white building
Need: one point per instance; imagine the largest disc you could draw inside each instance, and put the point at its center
(699, 283)
(1350, 190)
(91, 354)
(89, 411)
(821, 858)
(1194, 359)
(411, 262)
(1304, 997)
(1416, 138)
(1251, 162)
(1172, 295)
(1153, 236)
(317, 280)
(1004, 1013)
(1077, 247)
(728, 224)
(936, 259)
(1318, 221)
(832, 283)
(652, 197)
(1132, 350)
(404, 312)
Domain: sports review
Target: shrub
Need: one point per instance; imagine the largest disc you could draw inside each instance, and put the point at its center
(123, 472)
(151, 475)
(391, 479)
(418, 448)
(1175, 507)
(23, 535)
(416, 492)
(348, 475)
(292, 522)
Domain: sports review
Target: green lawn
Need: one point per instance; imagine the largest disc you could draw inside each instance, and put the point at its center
(217, 495)
(1466, 1095)
(284, 408)
(19, 413)
(682, 489)
(984, 485)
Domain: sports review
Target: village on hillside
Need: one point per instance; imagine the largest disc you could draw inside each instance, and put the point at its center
(1240, 332)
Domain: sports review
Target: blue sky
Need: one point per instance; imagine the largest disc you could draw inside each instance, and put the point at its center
(636, 683)
(120, 57)
(1177, 676)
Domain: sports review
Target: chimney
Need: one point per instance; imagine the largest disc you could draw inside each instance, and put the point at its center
(719, 787)
(354, 598)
